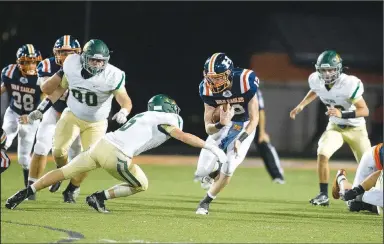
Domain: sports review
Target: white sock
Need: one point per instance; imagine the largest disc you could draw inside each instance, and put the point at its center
(106, 192)
(210, 195)
(33, 188)
(32, 179)
(122, 190)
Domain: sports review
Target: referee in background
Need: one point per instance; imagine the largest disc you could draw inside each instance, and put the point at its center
(267, 150)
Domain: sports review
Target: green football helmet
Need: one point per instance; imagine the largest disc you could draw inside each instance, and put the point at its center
(329, 66)
(95, 56)
(163, 103)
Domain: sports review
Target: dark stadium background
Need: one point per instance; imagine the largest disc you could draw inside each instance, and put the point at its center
(162, 46)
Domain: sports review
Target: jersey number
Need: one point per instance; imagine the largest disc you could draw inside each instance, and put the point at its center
(23, 101)
(130, 122)
(90, 97)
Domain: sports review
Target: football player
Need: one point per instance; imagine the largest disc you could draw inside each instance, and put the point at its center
(367, 174)
(64, 46)
(20, 81)
(267, 151)
(92, 82)
(115, 152)
(342, 94)
(235, 89)
(5, 161)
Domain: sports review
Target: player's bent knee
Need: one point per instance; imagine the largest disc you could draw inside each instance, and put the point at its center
(24, 161)
(59, 152)
(41, 148)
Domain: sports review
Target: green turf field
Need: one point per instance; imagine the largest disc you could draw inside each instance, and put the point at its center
(251, 209)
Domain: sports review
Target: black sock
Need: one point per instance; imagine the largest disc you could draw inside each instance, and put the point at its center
(30, 182)
(207, 199)
(324, 188)
(29, 192)
(101, 195)
(26, 173)
(71, 187)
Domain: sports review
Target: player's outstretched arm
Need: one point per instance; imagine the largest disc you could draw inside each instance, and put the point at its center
(125, 103)
(311, 95)
(49, 84)
(366, 185)
(193, 141)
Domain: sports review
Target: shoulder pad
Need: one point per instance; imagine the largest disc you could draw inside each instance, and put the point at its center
(248, 81)
(204, 89)
(8, 71)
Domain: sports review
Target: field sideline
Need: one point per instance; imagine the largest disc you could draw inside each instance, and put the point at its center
(251, 209)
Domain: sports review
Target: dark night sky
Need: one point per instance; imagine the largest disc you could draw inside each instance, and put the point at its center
(161, 46)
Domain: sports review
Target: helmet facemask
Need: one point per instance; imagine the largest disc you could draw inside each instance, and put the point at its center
(28, 65)
(94, 64)
(219, 82)
(62, 53)
(328, 74)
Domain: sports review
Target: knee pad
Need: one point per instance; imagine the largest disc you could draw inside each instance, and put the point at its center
(41, 148)
(140, 177)
(24, 161)
(59, 152)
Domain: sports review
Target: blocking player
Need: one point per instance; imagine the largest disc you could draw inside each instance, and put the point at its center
(343, 96)
(20, 81)
(63, 46)
(115, 152)
(5, 161)
(92, 82)
(367, 174)
(267, 151)
(235, 88)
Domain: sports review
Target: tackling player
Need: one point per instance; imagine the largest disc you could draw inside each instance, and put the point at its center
(343, 96)
(224, 85)
(371, 164)
(115, 152)
(20, 81)
(64, 46)
(92, 82)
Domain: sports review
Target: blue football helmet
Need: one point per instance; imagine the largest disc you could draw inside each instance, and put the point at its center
(64, 46)
(27, 59)
(218, 72)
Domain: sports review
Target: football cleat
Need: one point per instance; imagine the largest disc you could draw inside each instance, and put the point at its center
(278, 181)
(320, 199)
(335, 186)
(69, 196)
(202, 209)
(55, 187)
(97, 203)
(16, 199)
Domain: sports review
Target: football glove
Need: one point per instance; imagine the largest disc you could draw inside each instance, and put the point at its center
(121, 116)
(217, 151)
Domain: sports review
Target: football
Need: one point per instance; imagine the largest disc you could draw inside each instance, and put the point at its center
(216, 113)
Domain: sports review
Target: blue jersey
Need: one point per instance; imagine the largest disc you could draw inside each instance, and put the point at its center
(49, 67)
(24, 91)
(244, 87)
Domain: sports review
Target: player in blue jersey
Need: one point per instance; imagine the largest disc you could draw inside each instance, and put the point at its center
(235, 89)
(63, 46)
(21, 83)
